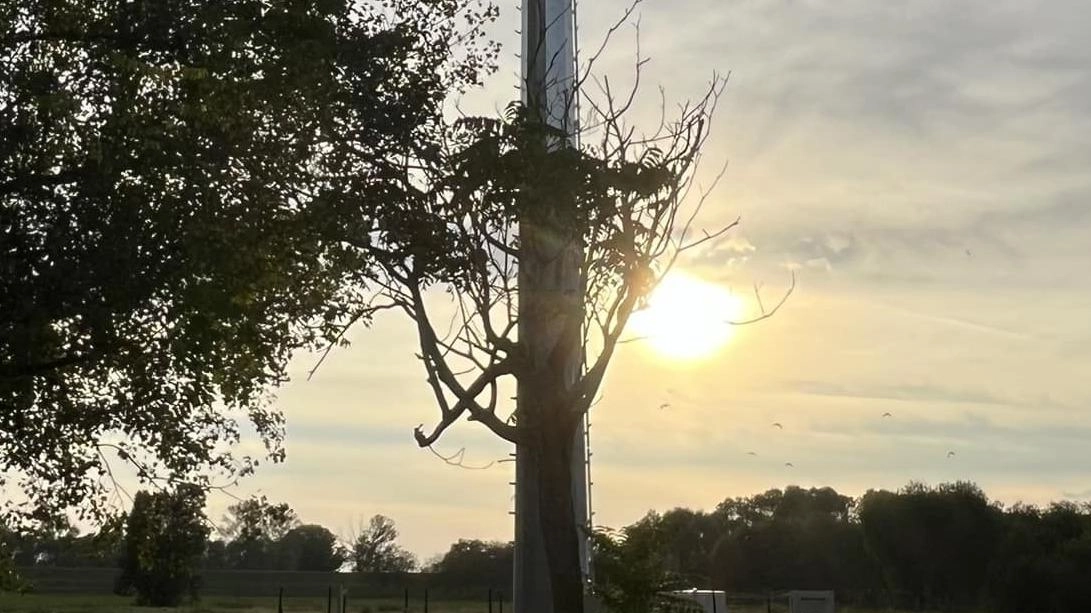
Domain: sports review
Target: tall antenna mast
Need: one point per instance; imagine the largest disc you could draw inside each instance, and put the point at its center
(549, 88)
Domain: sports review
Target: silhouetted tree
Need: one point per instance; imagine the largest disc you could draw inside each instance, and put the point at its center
(172, 177)
(934, 543)
(546, 251)
(310, 547)
(795, 538)
(631, 568)
(252, 529)
(216, 555)
(375, 549)
(1042, 560)
(164, 541)
(473, 561)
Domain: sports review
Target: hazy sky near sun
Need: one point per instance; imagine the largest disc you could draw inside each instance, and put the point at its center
(925, 167)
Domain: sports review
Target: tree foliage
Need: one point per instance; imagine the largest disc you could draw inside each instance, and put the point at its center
(169, 177)
(631, 572)
(253, 530)
(165, 539)
(375, 549)
(946, 547)
(310, 547)
(933, 542)
(477, 562)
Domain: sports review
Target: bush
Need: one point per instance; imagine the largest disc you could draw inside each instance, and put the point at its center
(164, 543)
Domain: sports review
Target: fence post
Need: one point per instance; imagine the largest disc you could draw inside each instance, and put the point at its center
(344, 602)
(768, 603)
(490, 600)
(329, 599)
(425, 600)
(714, 600)
(500, 601)
(406, 609)
(280, 600)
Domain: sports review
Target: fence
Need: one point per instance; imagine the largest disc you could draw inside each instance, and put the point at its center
(265, 583)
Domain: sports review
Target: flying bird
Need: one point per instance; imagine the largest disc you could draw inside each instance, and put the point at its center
(969, 253)
(887, 414)
(751, 453)
(665, 405)
(776, 424)
(789, 464)
(950, 454)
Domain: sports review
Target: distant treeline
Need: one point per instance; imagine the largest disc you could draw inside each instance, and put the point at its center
(946, 547)
(258, 548)
(938, 548)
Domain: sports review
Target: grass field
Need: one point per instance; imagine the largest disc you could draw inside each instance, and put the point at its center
(51, 603)
(71, 603)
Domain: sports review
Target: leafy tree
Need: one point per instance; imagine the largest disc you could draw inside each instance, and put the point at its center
(375, 549)
(164, 542)
(688, 538)
(216, 555)
(473, 561)
(170, 176)
(936, 543)
(310, 547)
(1042, 560)
(10, 581)
(631, 574)
(253, 528)
(786, 539)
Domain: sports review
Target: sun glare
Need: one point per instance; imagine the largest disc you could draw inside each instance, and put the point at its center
(687, 318)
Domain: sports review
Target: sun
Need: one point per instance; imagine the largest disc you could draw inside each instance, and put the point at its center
(687, 318)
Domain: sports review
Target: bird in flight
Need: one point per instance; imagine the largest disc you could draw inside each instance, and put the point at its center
(887, 414)
(950, 454)
(789, 464)
(665, 405)
(751, 453)
(776, 424)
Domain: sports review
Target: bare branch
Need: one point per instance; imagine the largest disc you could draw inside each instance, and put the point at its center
(368, 312)
(767, 314)
(460, 462)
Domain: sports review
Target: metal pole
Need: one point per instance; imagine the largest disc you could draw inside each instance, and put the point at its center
(548, 84)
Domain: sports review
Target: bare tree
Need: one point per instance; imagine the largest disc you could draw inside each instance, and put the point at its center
(492, 219)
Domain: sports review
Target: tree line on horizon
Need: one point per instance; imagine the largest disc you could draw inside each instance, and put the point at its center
(947, 547)
(255, 534)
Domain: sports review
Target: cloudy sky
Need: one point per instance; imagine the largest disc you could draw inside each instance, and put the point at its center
(925, 167)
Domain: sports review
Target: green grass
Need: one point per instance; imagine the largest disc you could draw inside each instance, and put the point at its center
(69, 603)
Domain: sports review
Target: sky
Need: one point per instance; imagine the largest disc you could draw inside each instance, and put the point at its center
(922, 166)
